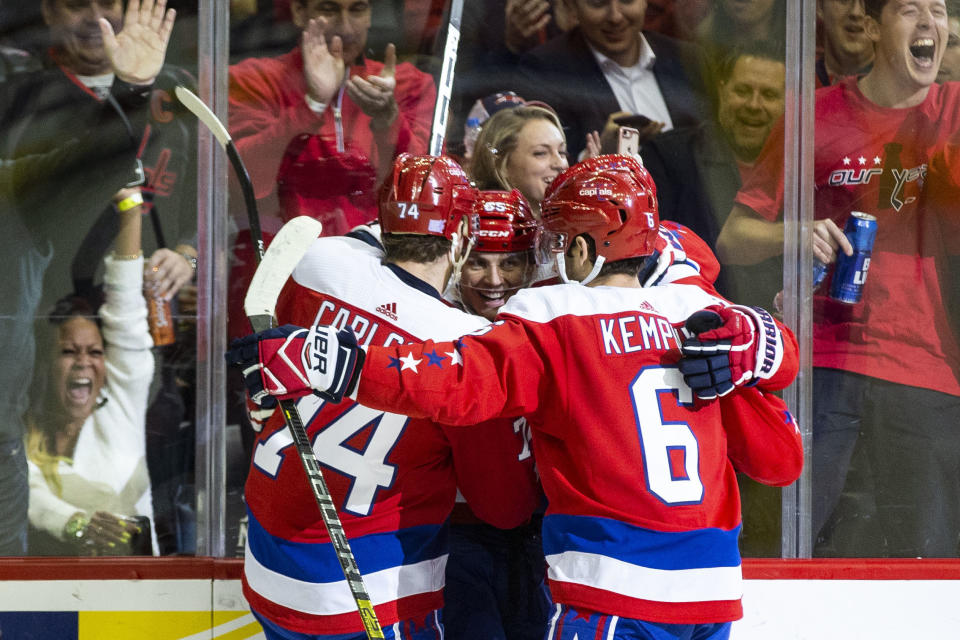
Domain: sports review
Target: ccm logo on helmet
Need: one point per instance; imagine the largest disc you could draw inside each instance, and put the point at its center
(596, 192)
(493, 233)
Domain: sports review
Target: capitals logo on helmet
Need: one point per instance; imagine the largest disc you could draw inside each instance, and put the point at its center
(426, 195)
(627, 165)
(505, 223)
(618, 211)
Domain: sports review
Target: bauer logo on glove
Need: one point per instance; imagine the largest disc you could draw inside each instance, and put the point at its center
(290, 362)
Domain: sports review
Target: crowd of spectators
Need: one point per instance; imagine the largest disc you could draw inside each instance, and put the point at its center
(325, 94)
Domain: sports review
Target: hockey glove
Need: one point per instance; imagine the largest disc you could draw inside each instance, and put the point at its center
(729, 347)
(289, 362)
(259, 414)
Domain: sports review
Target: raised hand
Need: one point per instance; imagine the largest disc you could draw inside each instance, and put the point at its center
(524, 19)
(169, 270)
(138, 51)
(610, 135)
(323, 66)
(374, 94)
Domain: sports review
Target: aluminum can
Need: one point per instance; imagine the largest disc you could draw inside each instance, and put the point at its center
(159, 316)
(850, 274)
(819, 272)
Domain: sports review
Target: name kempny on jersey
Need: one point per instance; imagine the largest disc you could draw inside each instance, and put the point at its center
(636, 332)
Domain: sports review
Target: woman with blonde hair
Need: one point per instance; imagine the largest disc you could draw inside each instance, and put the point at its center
(521, 148)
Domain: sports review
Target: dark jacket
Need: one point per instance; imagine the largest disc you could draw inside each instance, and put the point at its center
(564, 73)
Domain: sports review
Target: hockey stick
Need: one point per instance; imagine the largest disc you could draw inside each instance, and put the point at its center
(445, 90)
(273, 268)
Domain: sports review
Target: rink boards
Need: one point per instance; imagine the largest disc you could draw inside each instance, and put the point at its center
(200, 599)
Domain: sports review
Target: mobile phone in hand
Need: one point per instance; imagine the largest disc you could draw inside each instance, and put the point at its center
(637, 121)
(628, 143)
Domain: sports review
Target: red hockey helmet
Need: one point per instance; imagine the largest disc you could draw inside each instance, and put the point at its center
(618, 212)
(426, 195)
(506, 224)
(609, 162)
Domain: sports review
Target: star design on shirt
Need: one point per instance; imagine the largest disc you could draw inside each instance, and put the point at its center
(409, 362)
(862, 160)
(454, 357)
(846, 161)
(434, 358)
(394, 363)
(788, 419)
(876, 160)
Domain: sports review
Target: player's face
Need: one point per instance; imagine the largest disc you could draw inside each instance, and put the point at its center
(911, 37)
(78, 368)
(751, 102)
(950, 65)
(75, 31)
(539, 157)
(843, 33)
(349, 19)
(612, 26)
(489, 279)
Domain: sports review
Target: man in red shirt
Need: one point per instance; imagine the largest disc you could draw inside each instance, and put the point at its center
(322, 124)
(887, 367)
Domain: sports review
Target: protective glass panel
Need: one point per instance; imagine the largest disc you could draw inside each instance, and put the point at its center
(323, 95)
(99, 344)
(885, 353)
(701, 83)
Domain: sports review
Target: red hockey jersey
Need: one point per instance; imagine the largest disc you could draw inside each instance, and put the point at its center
(393, 479)
(644, 510)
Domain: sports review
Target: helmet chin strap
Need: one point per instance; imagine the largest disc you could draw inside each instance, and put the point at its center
(460, 245)
(562, 269)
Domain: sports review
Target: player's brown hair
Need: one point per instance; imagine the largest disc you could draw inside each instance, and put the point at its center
(409, 247)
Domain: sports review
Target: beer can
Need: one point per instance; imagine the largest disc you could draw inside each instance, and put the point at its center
(159, 316)
(819, 272)
(851, 271)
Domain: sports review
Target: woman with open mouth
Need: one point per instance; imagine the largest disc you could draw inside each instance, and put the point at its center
(89, 487)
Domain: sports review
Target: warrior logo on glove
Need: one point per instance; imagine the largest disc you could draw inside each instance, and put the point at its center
(730, 347)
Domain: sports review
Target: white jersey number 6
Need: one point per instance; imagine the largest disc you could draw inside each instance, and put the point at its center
(667, 446)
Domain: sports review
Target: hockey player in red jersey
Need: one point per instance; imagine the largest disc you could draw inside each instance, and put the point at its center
(496, 578)
(641, 528)
(393, 479)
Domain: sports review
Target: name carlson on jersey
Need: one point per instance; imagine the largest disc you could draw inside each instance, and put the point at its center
(366, 329)
(630, 333)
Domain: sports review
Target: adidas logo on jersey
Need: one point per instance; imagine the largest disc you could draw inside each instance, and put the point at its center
(646, 306)
(389, 310)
